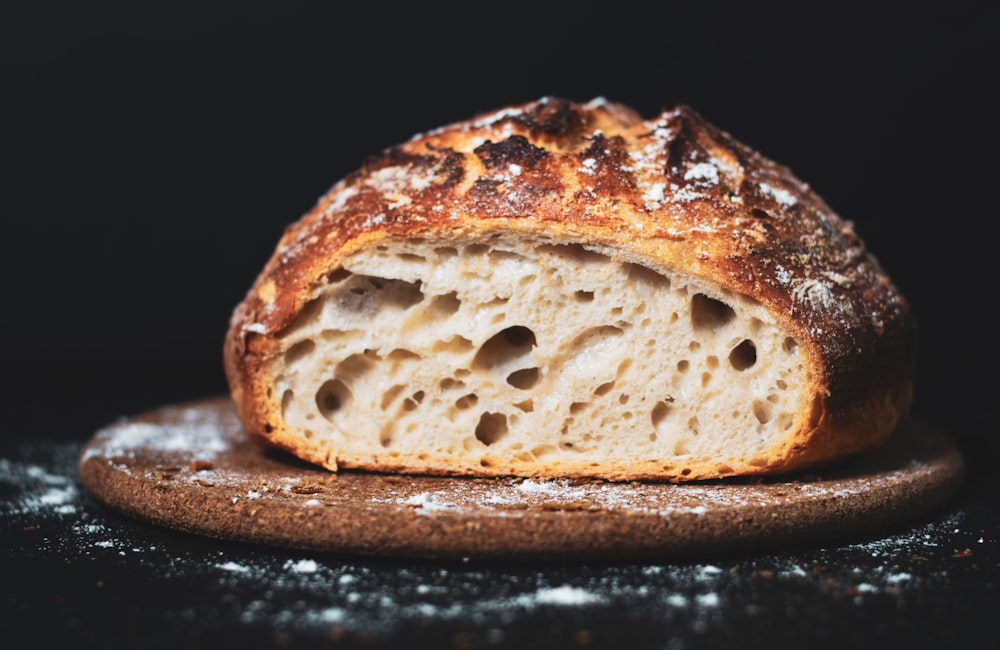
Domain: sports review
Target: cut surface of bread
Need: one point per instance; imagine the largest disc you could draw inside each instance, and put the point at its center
(562, 289)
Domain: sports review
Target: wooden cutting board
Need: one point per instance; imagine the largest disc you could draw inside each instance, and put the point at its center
(192, 467)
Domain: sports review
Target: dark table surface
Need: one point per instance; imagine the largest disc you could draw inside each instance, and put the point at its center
(159, 151)
(75, 572)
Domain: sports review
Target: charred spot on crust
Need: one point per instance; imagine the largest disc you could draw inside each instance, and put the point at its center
(385, 158)
(605, 151)
(611, 158)
(555, 117)
(516, 149)
(486, 185)
(599, 144)
(683, 147)
(452, 168)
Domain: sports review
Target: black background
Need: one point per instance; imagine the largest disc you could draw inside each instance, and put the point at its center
(154, 152)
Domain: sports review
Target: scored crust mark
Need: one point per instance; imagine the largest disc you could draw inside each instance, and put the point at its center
(518, 352)
(562, 289)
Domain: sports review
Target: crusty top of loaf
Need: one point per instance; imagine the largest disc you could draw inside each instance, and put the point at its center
(671, 190)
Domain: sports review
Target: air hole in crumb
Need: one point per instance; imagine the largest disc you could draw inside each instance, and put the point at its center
(743, 356)
(790, 345)
(541, 450)
(623, 398)
(411, 257)
(660, 412)
(389, 396)
(573, 253)
(524, 379)
(683, 365)
(712, 361)
(455, 345)
(448, 383)
(401, 294)
(299, 350)
(402, 354)
(643, 275)
(444, 252)
(445, 304)
(498, 255)
(578, 407)
(623, 367)
(466, 401)
(338, 275)
(332, 397)
(604, 388)
(491, 428)
(705, 378)
(354, 366)
(584, 296)
(527, 406)
(709, 313)
(762, 410)
(504, 347)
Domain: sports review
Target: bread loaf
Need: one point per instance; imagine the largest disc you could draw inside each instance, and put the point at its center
(569, 289)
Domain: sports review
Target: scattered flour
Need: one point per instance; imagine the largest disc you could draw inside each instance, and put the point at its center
(299, 593)
(195, 428)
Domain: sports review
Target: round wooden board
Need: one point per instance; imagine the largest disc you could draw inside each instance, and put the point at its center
(193, 468)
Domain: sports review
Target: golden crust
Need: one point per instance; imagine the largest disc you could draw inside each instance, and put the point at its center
(671, 192)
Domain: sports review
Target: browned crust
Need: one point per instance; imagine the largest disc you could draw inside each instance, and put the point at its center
(672, 192)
